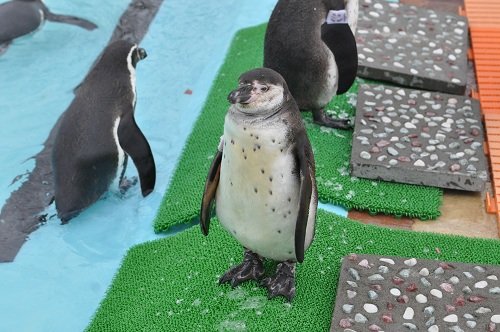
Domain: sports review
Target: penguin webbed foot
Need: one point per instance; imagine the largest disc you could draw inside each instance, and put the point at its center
(283, 282)
(320, 117)
(126, 184)
(4, 46)
(252, 268)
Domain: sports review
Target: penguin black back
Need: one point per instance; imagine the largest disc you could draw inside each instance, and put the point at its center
(317, 59)
(98, 131)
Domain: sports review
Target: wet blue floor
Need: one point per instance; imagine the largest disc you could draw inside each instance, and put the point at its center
(61, 274)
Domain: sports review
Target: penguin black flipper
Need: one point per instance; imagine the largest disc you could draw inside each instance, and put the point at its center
(68, 19)
(134, 143)
(341, 41)
(303, 155)
(211, 185)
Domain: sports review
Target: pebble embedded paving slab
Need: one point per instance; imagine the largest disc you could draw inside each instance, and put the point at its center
(412, 46)
(418, 137)
(379, 293)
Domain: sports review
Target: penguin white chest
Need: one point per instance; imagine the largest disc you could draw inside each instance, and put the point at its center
(120, 167)
(258, 193)
(330, 86)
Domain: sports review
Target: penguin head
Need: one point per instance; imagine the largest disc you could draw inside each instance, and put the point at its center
(116, 52)
(137, 54)
(260, 91)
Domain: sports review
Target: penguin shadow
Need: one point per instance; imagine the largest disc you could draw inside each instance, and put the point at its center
(19, 18)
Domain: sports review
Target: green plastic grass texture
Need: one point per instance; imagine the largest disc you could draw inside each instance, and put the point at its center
(332, 149)
(172, 284)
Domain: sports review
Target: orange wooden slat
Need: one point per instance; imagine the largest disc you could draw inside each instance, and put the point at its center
(494, 130)
(490, 99)
(484, 26)
(488, 110)
(491, 118)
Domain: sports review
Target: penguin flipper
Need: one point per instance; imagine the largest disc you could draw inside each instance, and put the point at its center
(306, 174)
(73, 20)
(134, 143)
(341, 41)
(211, 185)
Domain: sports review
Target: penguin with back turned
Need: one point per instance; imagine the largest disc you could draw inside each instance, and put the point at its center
(98, 132)
(312, 45)
(262, 181)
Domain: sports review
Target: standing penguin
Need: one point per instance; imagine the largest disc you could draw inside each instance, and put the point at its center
(312, 45)
(98, 131)
(262, 180)
(20, 17)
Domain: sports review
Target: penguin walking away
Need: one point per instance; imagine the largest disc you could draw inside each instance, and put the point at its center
(262, 180)
(97, 133)
(312, 45)
(20, 17)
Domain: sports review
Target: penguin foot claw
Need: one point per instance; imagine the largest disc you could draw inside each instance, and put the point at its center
(252, 268)
(4, 46)
(320, 117)
(283, 282)
(126, 184)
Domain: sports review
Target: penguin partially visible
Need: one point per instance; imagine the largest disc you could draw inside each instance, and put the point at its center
(98, 131)
(262, 181)
(20, 17)
(312, 45)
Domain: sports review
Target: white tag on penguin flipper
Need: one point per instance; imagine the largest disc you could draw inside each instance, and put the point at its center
(337, 17)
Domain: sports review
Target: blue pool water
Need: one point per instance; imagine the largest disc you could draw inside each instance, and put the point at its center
(61, 274)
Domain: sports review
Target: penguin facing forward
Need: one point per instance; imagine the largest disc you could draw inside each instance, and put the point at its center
(98, 132)
(262, 180)
(312, 45)
(20, 17)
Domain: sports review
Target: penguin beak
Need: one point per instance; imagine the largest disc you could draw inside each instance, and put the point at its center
(142, 53)
(241, 95)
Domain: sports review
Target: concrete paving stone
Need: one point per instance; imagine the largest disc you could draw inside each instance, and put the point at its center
(407, 303)
(412, 46)
(440, 143)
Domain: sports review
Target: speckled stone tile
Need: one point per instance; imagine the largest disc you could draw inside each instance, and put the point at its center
(418, 137)
(378, 293)
(412, 46)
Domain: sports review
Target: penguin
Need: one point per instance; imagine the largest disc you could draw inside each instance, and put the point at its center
(262, 181)
(312, 45)
(98, 132)
(20, 17)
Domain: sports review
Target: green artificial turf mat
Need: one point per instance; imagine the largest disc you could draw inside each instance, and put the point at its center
(172, 284)
(332, 149)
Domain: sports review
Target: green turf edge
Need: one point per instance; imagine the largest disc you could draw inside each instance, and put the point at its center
(182, 201)
(171, 284)
(336, 186)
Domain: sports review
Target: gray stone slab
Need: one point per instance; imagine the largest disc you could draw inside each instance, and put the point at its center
(381, 293)
(412, 46)
(418, 137)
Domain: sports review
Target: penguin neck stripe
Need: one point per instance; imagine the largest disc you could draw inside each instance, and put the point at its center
(131, 69)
